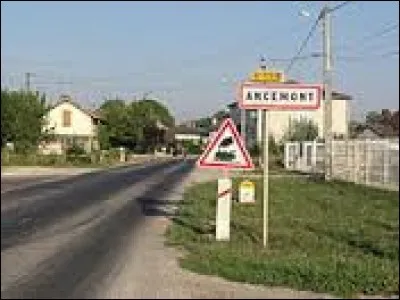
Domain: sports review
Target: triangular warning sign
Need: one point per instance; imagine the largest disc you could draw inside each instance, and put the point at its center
(226, 150)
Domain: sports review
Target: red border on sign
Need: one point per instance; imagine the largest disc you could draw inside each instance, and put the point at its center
(279, 106)
(227, 123)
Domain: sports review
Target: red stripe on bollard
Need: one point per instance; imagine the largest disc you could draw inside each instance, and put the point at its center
(228, 191)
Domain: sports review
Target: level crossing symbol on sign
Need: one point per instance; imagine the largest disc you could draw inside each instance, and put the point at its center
(226, 150)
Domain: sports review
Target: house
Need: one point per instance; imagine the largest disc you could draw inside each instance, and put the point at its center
(383, 125)
(189, 134)
(279, 121)
(69, 123)
(369, 133)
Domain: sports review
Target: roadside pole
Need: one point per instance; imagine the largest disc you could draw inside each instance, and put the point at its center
(224, 207)
(266, 182)
(243, 125)
(260, 135)
(226, 150)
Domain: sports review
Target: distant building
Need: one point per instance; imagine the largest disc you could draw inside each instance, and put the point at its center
(369, 133)
(189, 124)
(69, 123)
(183, 134)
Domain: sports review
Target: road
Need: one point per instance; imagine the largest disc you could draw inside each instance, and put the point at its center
(64, 239)
(10, 183)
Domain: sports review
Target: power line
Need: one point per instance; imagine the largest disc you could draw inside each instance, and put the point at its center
(386, 30)
(304, 43)
(339, 6)
(313, 28)
(373, 36)
(358, 58)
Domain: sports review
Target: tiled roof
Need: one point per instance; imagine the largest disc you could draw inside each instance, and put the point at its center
(65, 98)
(186, 130)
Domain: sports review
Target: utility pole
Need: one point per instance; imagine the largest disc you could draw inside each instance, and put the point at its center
(327, 76)
(28, 81)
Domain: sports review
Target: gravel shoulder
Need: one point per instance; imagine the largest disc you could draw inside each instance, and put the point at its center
(152, 269)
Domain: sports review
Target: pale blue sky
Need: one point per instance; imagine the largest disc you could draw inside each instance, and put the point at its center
(190, 54)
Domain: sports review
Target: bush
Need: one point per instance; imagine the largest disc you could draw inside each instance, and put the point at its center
(79, 159)
(192, 148)
(75, 149)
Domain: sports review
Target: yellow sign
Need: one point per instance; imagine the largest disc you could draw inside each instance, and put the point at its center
(246, 192)
(264, 76)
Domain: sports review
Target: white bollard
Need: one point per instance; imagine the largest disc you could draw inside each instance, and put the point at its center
(224, 204)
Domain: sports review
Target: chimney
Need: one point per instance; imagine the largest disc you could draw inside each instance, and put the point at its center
(65, 97)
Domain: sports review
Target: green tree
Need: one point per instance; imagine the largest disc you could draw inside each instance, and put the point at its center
(204, 123)
(373, 117)
(22, 119)
(135, 125)
(302, 130)
(355, 127)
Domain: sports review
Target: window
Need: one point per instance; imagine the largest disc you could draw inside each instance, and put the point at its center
(66, 118)
(301, 116)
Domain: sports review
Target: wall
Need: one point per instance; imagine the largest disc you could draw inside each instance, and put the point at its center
(81, 123)
(369, 162)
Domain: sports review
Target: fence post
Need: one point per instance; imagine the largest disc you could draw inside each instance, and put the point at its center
(314, 156)
(334, 143)
(366, 162)
(386, 161)
(286, 152)
(347, 159)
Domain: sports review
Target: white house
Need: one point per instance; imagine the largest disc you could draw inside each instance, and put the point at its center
(69, 123)
(184, 134)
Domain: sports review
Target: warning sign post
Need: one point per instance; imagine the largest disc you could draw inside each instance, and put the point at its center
(225, 151)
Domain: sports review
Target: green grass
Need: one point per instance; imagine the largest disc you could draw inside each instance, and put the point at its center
(336, 238)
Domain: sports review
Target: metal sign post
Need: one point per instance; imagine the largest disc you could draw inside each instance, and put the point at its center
(266, 183)
(276, 97)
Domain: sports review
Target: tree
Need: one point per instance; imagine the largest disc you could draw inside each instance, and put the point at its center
(303, 130)
(204, 123)
(356, 127)
(385, 122)
(113, 131)
(137, 126)
(372, 118)
(152, 121)
(22, 119)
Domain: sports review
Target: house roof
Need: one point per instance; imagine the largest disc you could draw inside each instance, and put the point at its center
(369, 132)
(67, 99)
(187, 130)
(380, 131)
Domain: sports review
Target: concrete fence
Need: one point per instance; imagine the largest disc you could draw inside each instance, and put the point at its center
(370, 162)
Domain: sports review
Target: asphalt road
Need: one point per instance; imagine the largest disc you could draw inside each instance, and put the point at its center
(9, 183)
(62, 239)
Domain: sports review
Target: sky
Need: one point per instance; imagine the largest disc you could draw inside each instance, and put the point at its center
(191, 55)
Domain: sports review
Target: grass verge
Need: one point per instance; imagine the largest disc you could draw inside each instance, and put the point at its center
(337, 238)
